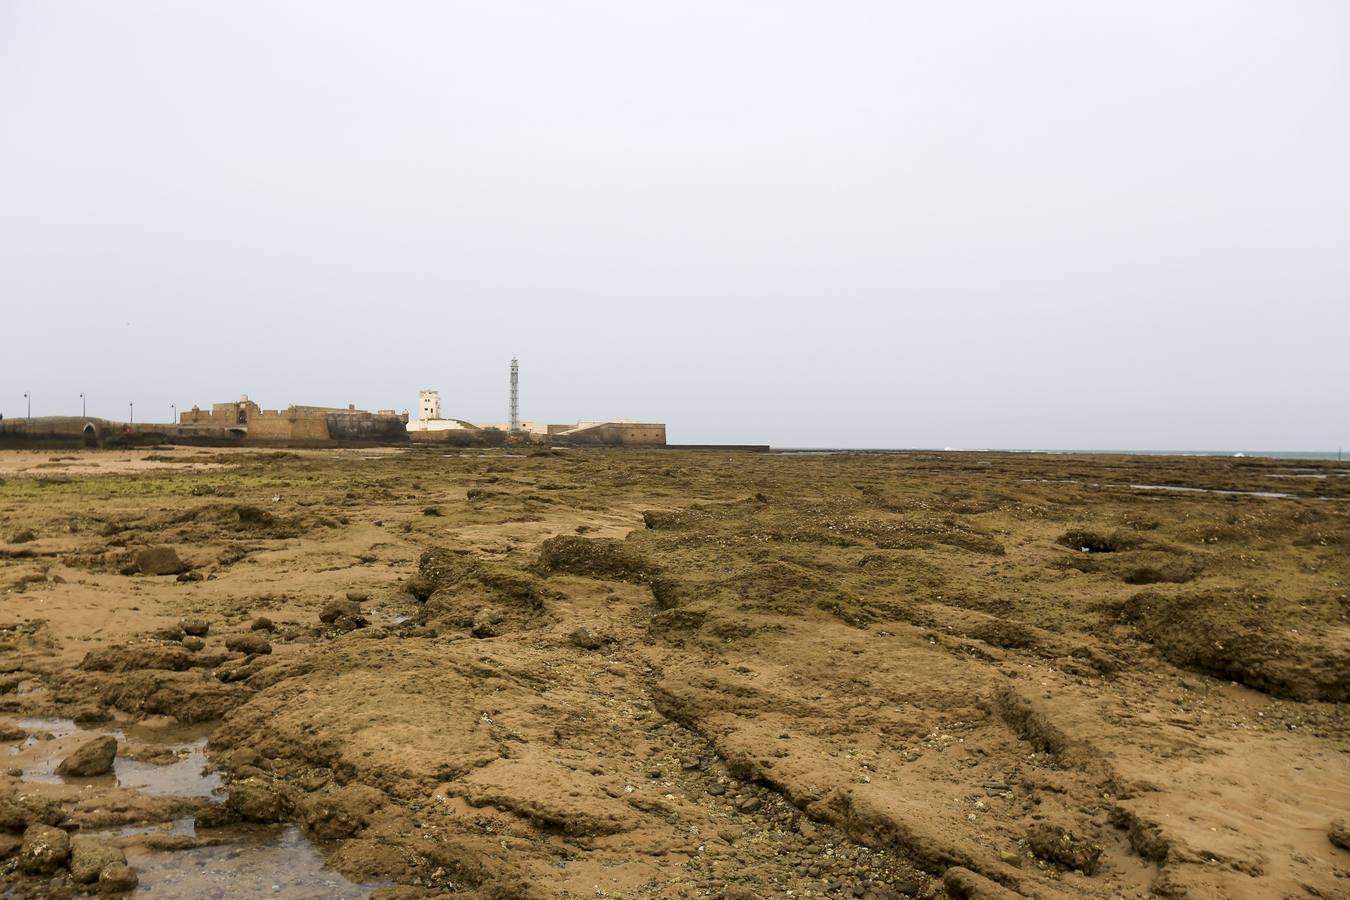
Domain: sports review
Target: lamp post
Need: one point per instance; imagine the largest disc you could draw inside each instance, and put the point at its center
(174, 408)
(29, 400)
(83, 413)
(131, 412)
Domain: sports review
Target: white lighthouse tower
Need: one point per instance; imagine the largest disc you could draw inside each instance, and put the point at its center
(429, 405)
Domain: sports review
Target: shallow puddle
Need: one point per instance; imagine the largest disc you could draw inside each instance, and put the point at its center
(248, 861)
(57, 728)
(188, 777)
(185, 775)
(1196, 490)
(176, 827)
(256, 862)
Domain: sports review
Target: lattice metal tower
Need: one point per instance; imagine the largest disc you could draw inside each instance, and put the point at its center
(515, 395)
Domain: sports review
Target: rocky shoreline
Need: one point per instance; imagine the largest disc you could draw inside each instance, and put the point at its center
(641, 674)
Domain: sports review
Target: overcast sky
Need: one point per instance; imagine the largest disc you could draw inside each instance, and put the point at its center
(891, 224)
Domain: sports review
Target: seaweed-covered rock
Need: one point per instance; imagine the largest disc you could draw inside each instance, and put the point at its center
(420, 587)
(336, 609)
(1060, 845)
(438, 568)
(21, 810)
(44, 851)
(90, 716)
(594, 557)
(134, 657)
(258, 800)
(117, 878)
(252, 643)
(255, 798)
(187, 696)
(668, 592)
(341, 812)
(159, 561)
(1278, 645)
(587, 639)
(1095, 542)
(485, 623)
(88, 858)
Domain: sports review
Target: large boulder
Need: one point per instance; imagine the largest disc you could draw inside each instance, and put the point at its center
(44, 851)
(160, 561)
(91, 758)
(88, 858)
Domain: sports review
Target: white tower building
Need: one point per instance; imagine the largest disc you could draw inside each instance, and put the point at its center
(429, 405)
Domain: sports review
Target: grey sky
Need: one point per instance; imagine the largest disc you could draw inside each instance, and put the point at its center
(1027, 224)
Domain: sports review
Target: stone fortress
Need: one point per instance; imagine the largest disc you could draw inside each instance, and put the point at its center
(300, 425)
(244, 422)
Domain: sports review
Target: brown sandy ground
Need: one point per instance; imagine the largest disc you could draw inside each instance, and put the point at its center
(597, 673)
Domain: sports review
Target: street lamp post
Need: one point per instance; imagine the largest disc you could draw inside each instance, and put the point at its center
(83, 413)
(29, 400)
(131, 412)
(174, 408)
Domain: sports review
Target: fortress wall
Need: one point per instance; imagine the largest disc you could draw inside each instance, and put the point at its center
(288, 425)
(639, 434)
(364, 426)
(621, 434)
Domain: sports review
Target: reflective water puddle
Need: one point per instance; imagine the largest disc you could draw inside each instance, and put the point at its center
(245, 861)
(183, 774)
(255, 862)
(1196, 490)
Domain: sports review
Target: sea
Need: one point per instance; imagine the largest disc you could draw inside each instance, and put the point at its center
(1239, 454)
(1265, 454)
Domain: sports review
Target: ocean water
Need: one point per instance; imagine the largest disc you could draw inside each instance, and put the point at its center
(1262, 454)
(1254, 454)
